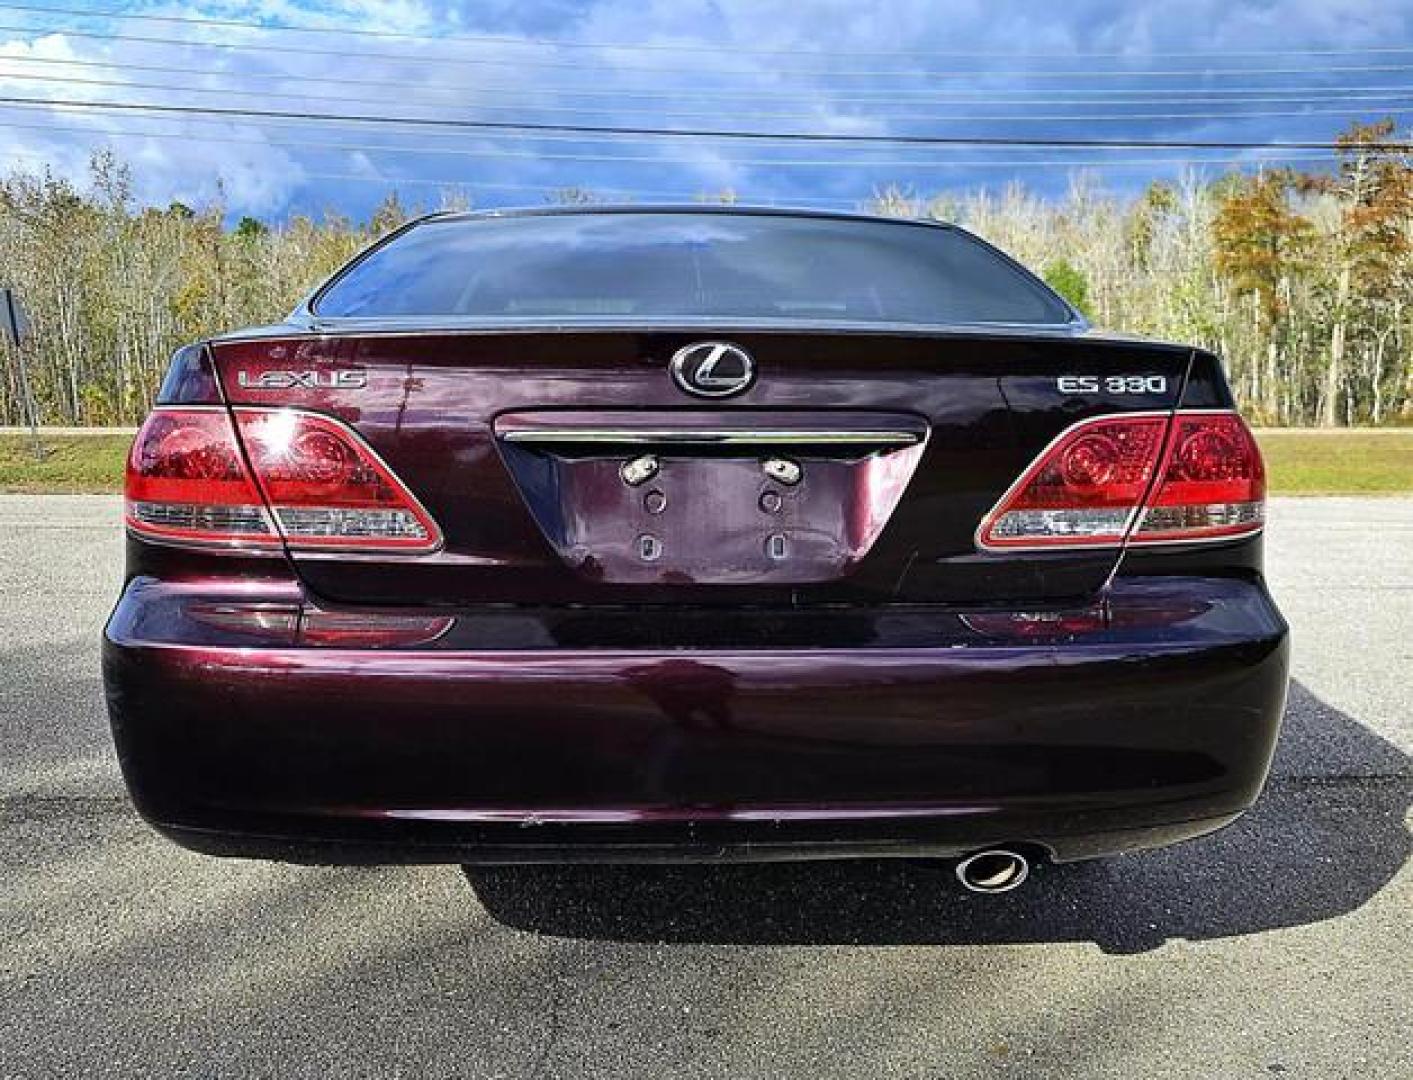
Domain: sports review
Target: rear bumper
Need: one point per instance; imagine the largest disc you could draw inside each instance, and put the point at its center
(1153, 727)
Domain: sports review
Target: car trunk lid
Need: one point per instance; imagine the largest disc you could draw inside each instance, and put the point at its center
(855, 468)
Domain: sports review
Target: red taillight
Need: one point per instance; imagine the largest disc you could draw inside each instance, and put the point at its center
(327, 489)
(288, 624)
(1102, 481)
(1213, 483)
(1083, 490)
(1034, 625)
(310, 481)
(339, 630)
(187, 481)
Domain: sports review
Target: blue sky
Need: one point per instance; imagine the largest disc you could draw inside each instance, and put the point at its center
(1246, 70)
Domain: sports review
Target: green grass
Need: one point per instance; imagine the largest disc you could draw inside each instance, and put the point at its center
(1299, 462)
(67, 462)
(1338, 462)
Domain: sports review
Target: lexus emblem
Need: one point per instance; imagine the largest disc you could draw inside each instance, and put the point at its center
(712, 369)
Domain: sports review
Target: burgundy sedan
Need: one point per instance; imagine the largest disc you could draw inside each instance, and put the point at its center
(692, 534)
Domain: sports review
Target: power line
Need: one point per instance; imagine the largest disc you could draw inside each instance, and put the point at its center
(731, 47)
(301, 95)
(583, 110)
(713, 134)
(524, 63)
(496, 153)
(535, 154)
(703, 195)
(894, 97)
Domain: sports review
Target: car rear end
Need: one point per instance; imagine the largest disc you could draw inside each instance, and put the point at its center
(617, 536)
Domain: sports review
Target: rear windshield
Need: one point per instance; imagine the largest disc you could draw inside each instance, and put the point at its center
(689, 267)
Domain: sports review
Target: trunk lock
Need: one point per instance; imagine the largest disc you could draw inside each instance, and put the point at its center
(783, 470)
(639, 470)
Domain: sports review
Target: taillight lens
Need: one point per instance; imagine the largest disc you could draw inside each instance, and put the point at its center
(310, 481)
(327, 489)
(339, 630)
(1213, 483)
(1083, 490)
(1124, 476)
(291, 623)
(187, 481)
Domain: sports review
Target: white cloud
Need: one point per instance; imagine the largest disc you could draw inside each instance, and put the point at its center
(773, 66)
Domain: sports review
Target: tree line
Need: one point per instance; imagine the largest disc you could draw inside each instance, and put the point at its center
(1299, 280)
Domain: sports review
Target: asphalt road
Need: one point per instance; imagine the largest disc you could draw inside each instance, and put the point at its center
(1282, 946)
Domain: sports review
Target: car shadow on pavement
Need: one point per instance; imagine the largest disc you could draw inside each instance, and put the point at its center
(1326, 836)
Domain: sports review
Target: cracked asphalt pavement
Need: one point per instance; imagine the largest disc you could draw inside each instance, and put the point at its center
(1282, 946)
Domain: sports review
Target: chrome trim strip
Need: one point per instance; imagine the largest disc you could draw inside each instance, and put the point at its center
(710, 436)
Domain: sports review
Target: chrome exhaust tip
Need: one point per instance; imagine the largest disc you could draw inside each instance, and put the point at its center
(995, 870)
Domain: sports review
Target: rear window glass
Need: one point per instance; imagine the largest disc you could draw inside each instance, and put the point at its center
(691, 267)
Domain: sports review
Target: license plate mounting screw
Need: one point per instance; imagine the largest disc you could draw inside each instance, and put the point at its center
(639, 470)
(783, 470)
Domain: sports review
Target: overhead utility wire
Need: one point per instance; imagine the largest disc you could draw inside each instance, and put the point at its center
(703, 195)
(899, 97)
(65, 80)
(649, 46)
(536, 155)
(710, 134)
(525, 63)
(265, 95)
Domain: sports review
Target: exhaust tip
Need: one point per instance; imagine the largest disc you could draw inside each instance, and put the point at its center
(995, 870)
